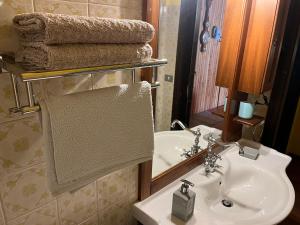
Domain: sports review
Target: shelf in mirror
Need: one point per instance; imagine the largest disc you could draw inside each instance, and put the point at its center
(255, 120)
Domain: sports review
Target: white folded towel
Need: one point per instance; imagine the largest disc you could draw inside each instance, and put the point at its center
(90, 134)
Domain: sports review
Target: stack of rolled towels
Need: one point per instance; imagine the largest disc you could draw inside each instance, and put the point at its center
(55, 41)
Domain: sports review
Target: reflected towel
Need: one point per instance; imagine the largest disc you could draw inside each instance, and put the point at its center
(37, 56)
(64, 29)
(90, 134)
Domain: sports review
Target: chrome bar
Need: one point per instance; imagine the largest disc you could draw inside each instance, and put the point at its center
(133, 74)
(25, 75)
(29, 93)
(155, 85)
(16, 93)
(154, 74)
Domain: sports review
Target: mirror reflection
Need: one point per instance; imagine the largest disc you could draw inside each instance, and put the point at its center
(180, 135)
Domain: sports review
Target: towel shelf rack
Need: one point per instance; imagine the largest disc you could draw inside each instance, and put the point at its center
(18, 73)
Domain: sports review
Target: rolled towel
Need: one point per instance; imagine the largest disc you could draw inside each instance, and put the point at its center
(63, 29)
(38, 56)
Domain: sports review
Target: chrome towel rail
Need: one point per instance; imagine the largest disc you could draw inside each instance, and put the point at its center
(18, 73)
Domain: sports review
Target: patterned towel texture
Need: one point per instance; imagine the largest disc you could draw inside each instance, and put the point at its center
(54, 41)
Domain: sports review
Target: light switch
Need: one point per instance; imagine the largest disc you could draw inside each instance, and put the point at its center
(169, 78)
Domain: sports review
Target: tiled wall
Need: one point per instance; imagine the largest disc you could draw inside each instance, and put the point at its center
(168, 35)
(24, 195)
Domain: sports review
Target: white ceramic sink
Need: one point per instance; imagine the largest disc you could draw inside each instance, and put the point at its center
(168, 149)
(259, 190)
(169, 145)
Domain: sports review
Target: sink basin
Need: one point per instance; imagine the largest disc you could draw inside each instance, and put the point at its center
(168, 148)
(169, 145)
(242, 191)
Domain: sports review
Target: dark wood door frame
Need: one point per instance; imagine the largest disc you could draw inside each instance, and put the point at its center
(286, 89)
(188, 33)
(151, 13)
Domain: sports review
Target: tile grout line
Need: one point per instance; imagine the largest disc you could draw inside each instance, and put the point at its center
(98, 216)
(88, 8)
(31, 211)
(24, 169)
(57, 212)
(117, 6)
(2, 211)
(33, 5)
(87, 219)
(16, 118)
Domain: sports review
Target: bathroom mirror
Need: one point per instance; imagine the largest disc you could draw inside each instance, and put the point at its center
(188, 92)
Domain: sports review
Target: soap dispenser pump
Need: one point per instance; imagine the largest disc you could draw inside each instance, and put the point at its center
(184, 201)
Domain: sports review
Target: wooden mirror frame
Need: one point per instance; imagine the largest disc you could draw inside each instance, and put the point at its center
(186, 51)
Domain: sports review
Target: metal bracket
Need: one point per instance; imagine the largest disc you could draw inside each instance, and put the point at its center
(31, 107)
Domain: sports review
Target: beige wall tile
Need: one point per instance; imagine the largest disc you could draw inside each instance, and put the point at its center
(132, 181)
(2, 221)
(61, 7)
(113, 12)
(91, 221)
(46, 215)
(114, 214)
(21, 145)
(105, 11)
(132, 14)
(112, 189)
(136, 4)
(111, 79)
(7, 98)
(24, 191)
(8, 37)
(82, 1)
(77, 207)
(56, 87)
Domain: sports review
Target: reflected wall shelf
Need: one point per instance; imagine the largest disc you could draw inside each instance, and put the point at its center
(18, 73)
(219, 111)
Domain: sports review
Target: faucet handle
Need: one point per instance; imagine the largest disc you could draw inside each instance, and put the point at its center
(217, 156)
(197, 132)
(186, 153)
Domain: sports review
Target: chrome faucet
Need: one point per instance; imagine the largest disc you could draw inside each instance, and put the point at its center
(247, 150)
(195, 148)
(210, 161)
(183, 127)
(211, 158)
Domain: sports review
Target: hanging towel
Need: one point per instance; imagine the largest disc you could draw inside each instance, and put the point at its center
(90, 134)
(62, 29)
(37, 56)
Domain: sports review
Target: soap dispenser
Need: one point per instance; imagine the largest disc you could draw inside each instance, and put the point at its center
(184, 201)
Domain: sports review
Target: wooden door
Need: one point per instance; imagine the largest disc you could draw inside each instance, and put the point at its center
(259, 45)
(231, 43)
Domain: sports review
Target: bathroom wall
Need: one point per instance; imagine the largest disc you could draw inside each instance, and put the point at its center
(24, 195)
(168, 35)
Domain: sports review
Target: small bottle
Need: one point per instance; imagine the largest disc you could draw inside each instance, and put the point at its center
(184, 201)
